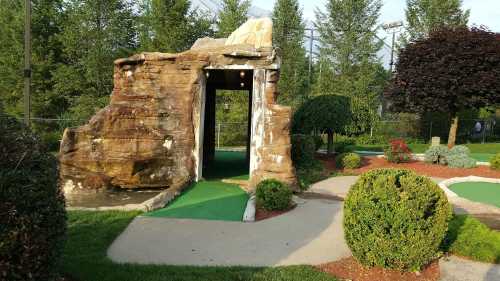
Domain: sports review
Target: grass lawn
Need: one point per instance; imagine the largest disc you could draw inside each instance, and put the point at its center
(90, 234)
(211, 200)
(484, 192)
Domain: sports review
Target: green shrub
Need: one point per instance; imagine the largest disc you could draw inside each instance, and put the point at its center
(303, 149)
(349, 160)
(397, 151)
(459, 157)
(395, 219)
(371, 140)
(342, 143)
(459, 150)
(273, 195)
(318, 142)
(460, 161)
(495, 162)
(33, 216)
(468, 237)
(436, 154)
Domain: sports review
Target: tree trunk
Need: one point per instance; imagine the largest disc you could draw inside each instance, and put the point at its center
(330, 142)
(453, 132)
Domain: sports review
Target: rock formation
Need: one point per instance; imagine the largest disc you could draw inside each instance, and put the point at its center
(150, 135)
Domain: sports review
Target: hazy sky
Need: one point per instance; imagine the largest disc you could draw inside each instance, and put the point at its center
(486, 12)
(483, 12)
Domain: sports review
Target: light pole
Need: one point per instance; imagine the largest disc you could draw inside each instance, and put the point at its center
(392, 27)
(27, 63)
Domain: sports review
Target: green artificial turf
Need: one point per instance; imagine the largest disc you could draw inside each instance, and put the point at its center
(210, 200)
(228, 165)
(488, 193)
(90, 234)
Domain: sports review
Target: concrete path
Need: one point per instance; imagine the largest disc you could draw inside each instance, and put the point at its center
(458, 269)
(310, 234)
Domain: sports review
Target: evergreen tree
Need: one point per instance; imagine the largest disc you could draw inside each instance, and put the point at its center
(348, 57)
(95, 33)
(233, 14)
(423, 16)
(46, 55)
(171, 25)
(288, 34)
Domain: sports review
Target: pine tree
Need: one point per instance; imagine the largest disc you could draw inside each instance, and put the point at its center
(171, 25)
(288, 34)
(46, 54)
(233, 14)
(348, 57)
(95, 33)
(423, 16)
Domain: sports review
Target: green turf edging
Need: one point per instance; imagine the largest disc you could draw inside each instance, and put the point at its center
(90, 234)
(210, 200)
(468, 237)
(484, 192)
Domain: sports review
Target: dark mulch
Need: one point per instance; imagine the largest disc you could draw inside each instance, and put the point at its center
(421, 168)
(350, 269)
(262, 214)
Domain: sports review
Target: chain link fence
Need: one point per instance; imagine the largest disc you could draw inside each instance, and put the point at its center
(471, 130)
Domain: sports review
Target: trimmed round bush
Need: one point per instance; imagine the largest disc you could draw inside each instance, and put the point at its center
(349, 160)
(303, 149)
(395, 219)
(273, 195)
(32, 210)
(495, 162)
(436, 154)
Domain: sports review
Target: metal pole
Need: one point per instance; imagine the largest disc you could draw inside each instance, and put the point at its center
(27, 63)
(392, 50)
(310, 54)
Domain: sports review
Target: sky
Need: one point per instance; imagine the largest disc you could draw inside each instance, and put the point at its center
(483, 12)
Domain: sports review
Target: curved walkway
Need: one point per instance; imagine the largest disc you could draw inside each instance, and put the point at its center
(310, 234)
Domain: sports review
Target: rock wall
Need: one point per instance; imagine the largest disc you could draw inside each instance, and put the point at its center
(150, 135)
(145, 137)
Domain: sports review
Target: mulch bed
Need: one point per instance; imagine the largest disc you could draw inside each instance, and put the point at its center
(262, 214)
(350, 269)
(420, 167)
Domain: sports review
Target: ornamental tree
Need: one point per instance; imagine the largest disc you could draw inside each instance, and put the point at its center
(453, 69)
(325, 114)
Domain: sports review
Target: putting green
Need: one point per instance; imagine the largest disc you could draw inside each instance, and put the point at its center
(213, 199)
(488, 193)
(210, 200)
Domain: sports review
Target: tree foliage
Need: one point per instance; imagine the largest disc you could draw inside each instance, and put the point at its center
(233, 14)
(348, 57)
(424, 16)
(288, 34)
(453, 69)
(171, 26)
(325, 114)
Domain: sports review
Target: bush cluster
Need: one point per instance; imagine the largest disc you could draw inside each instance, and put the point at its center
(395, 219)
(436, 154)
(32, 209)
(459, 157)
(273, 195)
(303, 149)
(495, 162)
(349, 160)
(397, 151)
